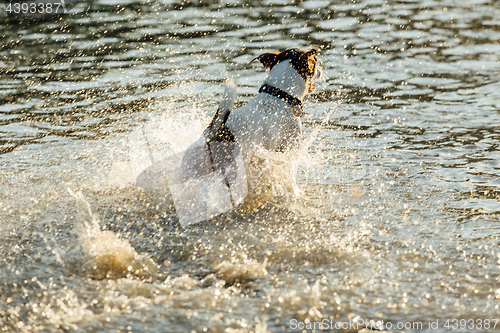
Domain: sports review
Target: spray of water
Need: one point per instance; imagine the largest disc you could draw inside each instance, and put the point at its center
(274, 174)
(105, 254)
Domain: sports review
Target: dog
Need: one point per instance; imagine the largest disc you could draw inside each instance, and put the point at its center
(269, 122)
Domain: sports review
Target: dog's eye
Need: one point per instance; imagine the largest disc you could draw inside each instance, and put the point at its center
(314, 61)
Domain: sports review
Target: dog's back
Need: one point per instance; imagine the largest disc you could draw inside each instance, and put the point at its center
(264, 123)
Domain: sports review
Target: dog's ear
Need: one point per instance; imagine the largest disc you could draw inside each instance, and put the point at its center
(268, 60)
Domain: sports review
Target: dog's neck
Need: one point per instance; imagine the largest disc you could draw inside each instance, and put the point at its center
(286, 78)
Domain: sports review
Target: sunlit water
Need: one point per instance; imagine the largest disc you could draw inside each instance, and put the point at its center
(396, 212)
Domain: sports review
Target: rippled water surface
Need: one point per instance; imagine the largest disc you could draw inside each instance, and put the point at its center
(397, 217)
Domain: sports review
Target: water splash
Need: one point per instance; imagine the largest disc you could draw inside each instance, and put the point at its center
(314, 134)
(269, 175)
(274, 174)
(233, 271)
(105, 254)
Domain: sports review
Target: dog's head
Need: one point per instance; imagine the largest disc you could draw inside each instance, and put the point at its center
(305, 62)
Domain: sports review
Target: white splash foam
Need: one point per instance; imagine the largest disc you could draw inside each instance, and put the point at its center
(232, 272)
(106, 255)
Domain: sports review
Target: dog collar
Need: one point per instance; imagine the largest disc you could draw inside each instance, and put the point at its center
(294, 102)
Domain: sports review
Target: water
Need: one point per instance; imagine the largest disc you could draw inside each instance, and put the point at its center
(396, 217)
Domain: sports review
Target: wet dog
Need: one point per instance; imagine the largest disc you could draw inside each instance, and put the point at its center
(244, 157)
(271, 120)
